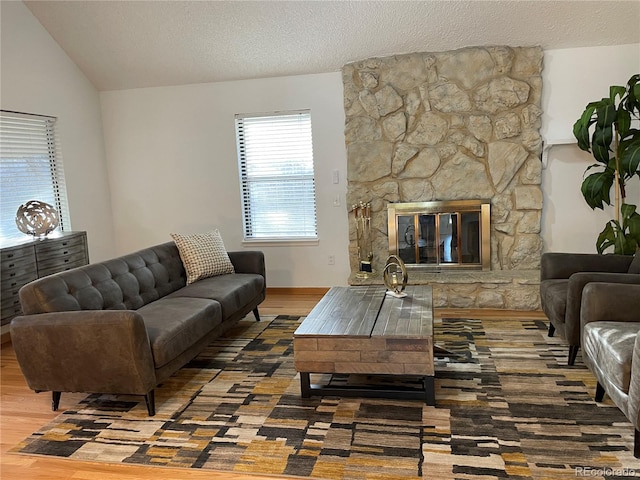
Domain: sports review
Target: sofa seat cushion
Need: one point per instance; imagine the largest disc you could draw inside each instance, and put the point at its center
(553, 295)
(233, 291)
(175, 324)
(609, 345)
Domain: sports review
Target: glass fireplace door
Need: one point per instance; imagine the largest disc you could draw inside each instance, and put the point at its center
(451, 239)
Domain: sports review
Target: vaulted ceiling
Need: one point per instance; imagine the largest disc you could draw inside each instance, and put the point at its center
(129, 44)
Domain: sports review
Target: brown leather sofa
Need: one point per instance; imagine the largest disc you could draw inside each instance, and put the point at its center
(610, 317)
(563, 277)
(125, 325)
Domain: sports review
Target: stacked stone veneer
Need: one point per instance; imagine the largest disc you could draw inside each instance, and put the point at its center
(452, 125)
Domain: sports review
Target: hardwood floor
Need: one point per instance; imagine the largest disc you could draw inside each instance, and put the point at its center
(22, 412)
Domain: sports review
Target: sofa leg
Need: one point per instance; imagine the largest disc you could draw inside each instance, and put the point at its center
(55, 400)
(600, 394)
(636, 444)
(150, 399)
(256, 314)
(573, 353)
(552, 329)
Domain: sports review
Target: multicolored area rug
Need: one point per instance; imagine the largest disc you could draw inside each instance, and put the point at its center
(507, 407)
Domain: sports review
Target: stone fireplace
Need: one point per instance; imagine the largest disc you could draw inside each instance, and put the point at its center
(451, 126)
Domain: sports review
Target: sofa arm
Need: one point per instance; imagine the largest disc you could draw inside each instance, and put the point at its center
(248, 261)
(575, 295)
(102, 351)
(563, 265)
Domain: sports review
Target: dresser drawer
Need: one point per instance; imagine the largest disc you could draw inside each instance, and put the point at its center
(60, 247)
(62, 267)
(21, 254)
(10, 302)
(18, 270)
(12, 285)
(16, 262)
(60, 263)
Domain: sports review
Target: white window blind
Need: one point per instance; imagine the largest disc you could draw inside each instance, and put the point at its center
(30, 169)
(275, 156)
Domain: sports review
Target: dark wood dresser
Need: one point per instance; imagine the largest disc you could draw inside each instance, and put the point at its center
(23, 262)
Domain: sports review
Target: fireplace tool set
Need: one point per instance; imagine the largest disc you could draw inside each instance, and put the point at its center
(362, 216)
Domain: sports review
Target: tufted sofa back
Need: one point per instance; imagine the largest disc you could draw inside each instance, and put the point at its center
(123, 283)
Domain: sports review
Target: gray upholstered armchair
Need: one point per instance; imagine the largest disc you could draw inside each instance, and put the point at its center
(610, 318)
(563, 277)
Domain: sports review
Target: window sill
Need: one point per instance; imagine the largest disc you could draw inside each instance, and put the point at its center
(281, 242)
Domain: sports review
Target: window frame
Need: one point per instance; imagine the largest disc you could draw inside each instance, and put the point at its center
(246, 181)
(31, 149)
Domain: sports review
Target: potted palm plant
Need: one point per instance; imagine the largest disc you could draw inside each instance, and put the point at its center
(613, 120)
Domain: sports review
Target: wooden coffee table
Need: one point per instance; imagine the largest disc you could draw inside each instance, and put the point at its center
(360, 330)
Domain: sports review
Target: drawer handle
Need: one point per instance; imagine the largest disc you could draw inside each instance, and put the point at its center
(12, 265)
(65, 252)
(12, 274)
(10, 255)
(66, 260)
(64, 244)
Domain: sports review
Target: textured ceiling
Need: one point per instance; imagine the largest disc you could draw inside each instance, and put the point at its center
(128, 44)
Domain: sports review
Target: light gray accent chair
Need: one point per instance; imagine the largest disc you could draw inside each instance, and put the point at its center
(610, 318)
(563, 277)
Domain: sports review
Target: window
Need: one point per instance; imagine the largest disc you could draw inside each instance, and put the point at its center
(30, 169)
(275, 157)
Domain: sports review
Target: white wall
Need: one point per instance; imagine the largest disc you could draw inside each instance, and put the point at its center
(173, 167)
(573, 78)
(38, 77)
(171, 152)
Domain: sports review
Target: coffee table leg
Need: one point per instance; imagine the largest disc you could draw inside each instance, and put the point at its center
(305, 385)
(429, 390)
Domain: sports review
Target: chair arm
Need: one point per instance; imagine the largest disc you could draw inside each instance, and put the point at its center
(105, 351)
(575, 293)
(614, 302)
(633, 403)
(563, 265)
(249, 261)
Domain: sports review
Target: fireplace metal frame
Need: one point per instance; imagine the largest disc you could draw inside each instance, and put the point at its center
(394, 210)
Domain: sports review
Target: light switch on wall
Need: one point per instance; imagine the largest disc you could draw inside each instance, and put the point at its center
(336, 176)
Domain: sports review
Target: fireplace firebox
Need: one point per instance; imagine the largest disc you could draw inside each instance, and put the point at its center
(441, 235)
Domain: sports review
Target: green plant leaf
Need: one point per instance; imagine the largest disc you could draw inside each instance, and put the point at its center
(624, 122)
(606, 238)
(606, 113)
(633, 225)
(581, 128)
(601, 143)
(616, 91)
(627, 210)
(629, 156)
(581, 132)
(596, 187)
(623, 238)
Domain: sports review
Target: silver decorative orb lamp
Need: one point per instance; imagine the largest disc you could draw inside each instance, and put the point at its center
(395, 276)
(36, 218)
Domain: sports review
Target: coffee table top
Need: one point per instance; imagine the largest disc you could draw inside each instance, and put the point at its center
(366, 311)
